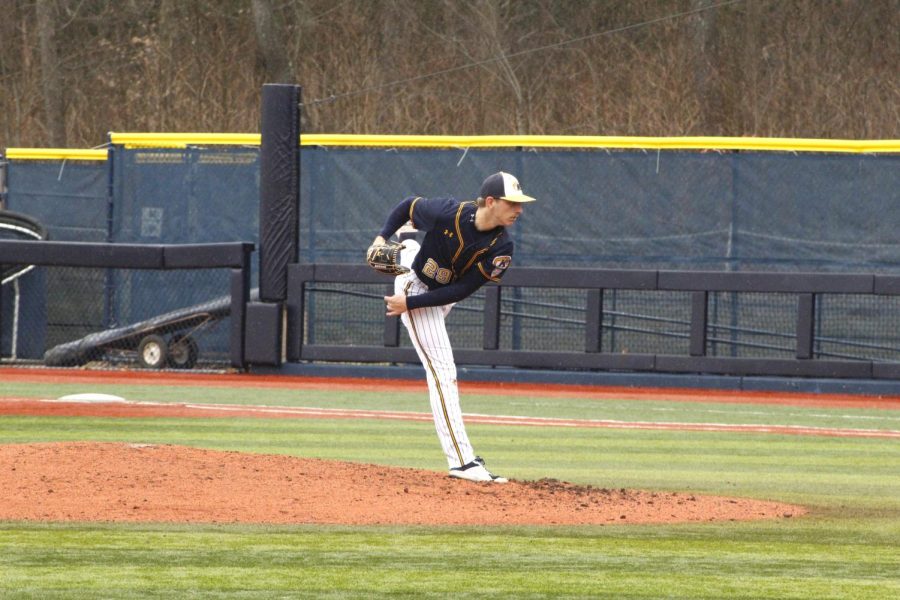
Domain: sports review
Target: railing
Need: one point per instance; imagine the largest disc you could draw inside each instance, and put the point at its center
(699, 284)
(234, 256)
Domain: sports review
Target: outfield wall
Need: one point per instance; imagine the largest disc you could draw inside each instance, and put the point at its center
(711, 204)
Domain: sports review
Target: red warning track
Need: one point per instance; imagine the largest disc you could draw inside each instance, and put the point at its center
(244, 380)
(29, 407)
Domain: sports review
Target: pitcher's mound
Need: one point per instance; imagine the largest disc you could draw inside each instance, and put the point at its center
(162, 483)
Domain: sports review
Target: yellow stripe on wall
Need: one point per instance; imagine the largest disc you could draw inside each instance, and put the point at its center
(528, 141)
(182, 140)
(601, 142)
(54, 154)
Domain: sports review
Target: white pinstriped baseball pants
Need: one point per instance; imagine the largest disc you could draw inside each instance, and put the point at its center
(428, 332)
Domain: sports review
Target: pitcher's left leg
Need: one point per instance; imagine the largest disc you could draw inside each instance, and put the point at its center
(429, 336)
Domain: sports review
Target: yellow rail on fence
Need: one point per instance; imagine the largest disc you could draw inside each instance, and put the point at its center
(54, 154)
(163, 140)
(183, 140)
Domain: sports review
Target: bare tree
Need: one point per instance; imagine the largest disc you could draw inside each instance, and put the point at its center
(483, 38)
(706, 64)
(8, 33)
(51, 73)
(12, 63)
(751, 61)
(72, 70)
(270, 40)
(271, 43)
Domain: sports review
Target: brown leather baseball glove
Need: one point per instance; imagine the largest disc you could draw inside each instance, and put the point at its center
(385, 258)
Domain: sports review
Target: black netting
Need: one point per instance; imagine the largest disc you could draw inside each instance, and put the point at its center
(646, 322)
(854, 326)
(751, 325)
(69, 316)
(345, 315)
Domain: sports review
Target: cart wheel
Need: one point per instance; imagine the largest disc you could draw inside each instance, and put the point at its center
(153, 351)
(183, 352)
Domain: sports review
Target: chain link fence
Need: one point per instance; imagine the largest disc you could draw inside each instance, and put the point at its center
(74, 317)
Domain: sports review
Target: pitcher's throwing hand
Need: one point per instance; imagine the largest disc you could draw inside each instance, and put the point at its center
(396, 305)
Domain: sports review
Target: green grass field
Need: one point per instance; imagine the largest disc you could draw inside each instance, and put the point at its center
(847, 547)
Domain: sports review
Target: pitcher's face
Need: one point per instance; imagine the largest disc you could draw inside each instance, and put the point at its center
(505, 212)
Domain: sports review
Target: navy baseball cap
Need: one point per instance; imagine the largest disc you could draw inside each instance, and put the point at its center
(505, 186)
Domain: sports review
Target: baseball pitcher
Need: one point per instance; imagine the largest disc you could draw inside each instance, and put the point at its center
(465, 246)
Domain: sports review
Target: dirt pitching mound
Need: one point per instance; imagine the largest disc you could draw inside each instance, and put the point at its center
(162, 483)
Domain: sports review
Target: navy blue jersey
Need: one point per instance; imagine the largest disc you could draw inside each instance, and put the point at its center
(456, 258)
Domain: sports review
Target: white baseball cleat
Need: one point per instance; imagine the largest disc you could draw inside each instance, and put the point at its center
(475, 471)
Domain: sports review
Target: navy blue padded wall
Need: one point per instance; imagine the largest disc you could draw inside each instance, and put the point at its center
(279, 188)
(70, 198)
(628, 209)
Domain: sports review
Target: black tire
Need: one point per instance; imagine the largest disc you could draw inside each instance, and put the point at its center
(183, 352)
(153, 352)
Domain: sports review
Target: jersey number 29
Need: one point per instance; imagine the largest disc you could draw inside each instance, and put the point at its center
(432, 270)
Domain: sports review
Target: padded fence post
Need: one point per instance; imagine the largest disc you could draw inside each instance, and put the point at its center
(279, 188)
(491, 335)
(295, 306)
(263, 333)
(593, 326)
(391, 325)
(699, 318)
(806, 312)
(392, 332)
(240, 294)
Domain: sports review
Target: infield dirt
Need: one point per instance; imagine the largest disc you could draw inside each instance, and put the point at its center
(120, 482)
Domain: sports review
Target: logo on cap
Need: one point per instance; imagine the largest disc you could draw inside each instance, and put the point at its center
(505, 186)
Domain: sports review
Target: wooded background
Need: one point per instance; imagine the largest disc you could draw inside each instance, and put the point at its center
(72, 70)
